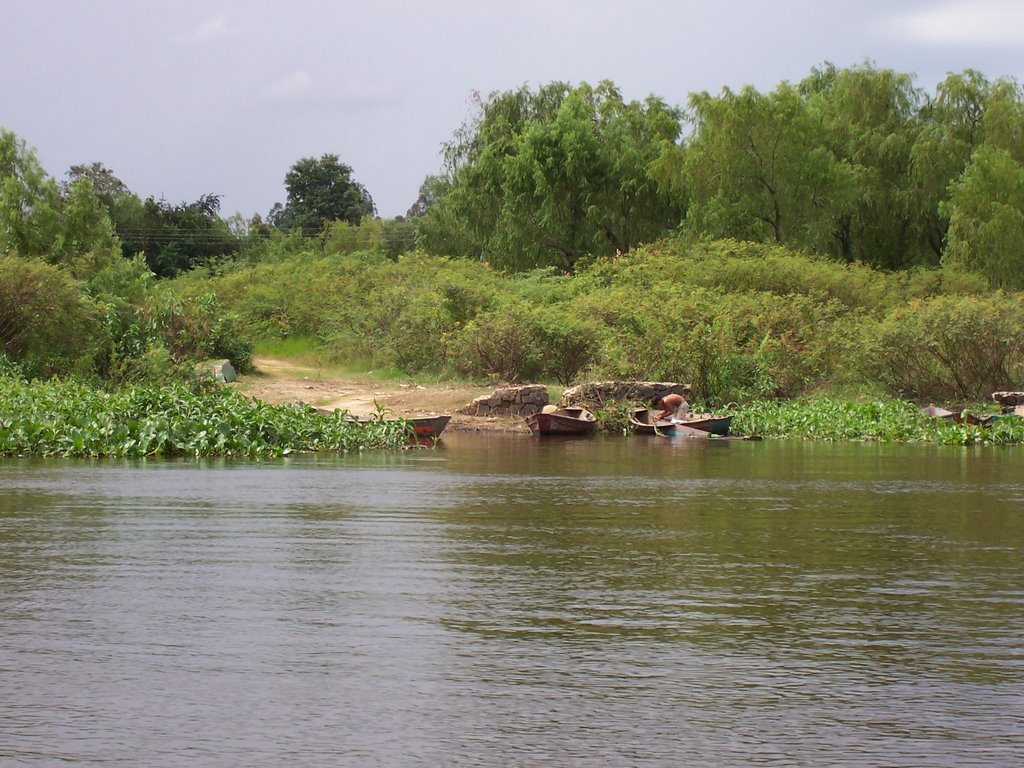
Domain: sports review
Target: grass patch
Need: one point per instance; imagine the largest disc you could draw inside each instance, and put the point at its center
(300, 349)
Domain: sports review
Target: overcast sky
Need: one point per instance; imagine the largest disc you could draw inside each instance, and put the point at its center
(185, 98)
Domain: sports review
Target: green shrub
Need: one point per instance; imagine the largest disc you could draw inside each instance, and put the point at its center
(47, 325)
(503, 345)
(569, 344)
(949, 347)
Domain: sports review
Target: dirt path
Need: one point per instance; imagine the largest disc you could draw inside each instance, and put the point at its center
(283, 381)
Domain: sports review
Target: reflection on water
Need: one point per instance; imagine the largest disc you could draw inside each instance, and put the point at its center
(515, 602)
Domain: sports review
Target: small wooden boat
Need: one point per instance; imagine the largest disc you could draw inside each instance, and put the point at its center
(644, 421)
(935, 412)
(717, 426)
(424, 427)
(429, 426)
(572, 420)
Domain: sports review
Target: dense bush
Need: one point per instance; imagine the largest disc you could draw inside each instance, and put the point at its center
(737, 321)
(503, 345)
(46, 324)
(949, 347)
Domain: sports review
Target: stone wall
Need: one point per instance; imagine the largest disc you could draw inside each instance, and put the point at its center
(527, 399)
(596, 393)
(523, 401)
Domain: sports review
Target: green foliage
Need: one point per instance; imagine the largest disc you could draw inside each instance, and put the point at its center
(735, 320)
(86, 242)
(986, 218)
(503, 345)
(321, 191)
(757, 169)
(195, 329)
(948, 347)
(550, 177)
(568, 345)
(869, 117)
(729, 347)
(823, 418)
(47, 326)
(29, 200)
(613, 416)
(72, 419)
(173, 238)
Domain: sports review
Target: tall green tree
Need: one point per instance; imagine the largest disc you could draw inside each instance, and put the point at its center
(36, 221)
(967, 111)
(547, 178)
(986, 218)
(870, 121)
(105, 185)
(758, 168)
(468, 197)
(29, 200)
(322, 190)
(86, 241)
(176, 238)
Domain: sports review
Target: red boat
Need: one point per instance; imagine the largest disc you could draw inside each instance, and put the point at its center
(429, 426)
(573, 420)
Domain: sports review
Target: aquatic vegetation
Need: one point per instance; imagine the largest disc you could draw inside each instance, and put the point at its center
(823, 418)
(72, 419)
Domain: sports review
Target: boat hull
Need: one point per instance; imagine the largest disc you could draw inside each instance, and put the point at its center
(430, 426)
(644, 422)
(716, 426)
(563, 421)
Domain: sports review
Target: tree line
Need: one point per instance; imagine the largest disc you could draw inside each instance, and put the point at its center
(859, 164)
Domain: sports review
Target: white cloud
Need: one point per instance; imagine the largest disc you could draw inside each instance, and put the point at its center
(210, 29)
(959, 22)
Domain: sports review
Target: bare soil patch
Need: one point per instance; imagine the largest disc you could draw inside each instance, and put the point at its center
(283, 381)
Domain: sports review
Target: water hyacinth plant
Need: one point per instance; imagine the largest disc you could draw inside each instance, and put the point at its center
(893, 420)
(70, 419)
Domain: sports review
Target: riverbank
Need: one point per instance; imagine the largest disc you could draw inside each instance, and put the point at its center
(821, 418)
(285, 381)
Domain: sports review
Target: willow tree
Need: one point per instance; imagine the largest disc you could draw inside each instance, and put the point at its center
(37, 222)
(547, 178)
(967, 111)
(870, 126)
(986, 218)
(29, 200)
(758, 168)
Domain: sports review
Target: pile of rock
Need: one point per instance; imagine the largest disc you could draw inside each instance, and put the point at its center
(1011, 402)
(527, 399)
(220, 370)
(597, 393)
(524, 400)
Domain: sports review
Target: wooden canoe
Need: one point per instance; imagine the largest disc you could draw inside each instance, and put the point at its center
(424, 427)
(644, 421)
(573, 420)
(935, 412)
(717, 426)
(429, 426)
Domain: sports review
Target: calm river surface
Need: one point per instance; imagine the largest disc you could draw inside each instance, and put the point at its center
(509, 601)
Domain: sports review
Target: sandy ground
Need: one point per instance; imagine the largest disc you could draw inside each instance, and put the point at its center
(280, 381)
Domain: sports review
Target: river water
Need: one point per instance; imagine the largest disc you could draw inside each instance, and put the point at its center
(514, 601)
